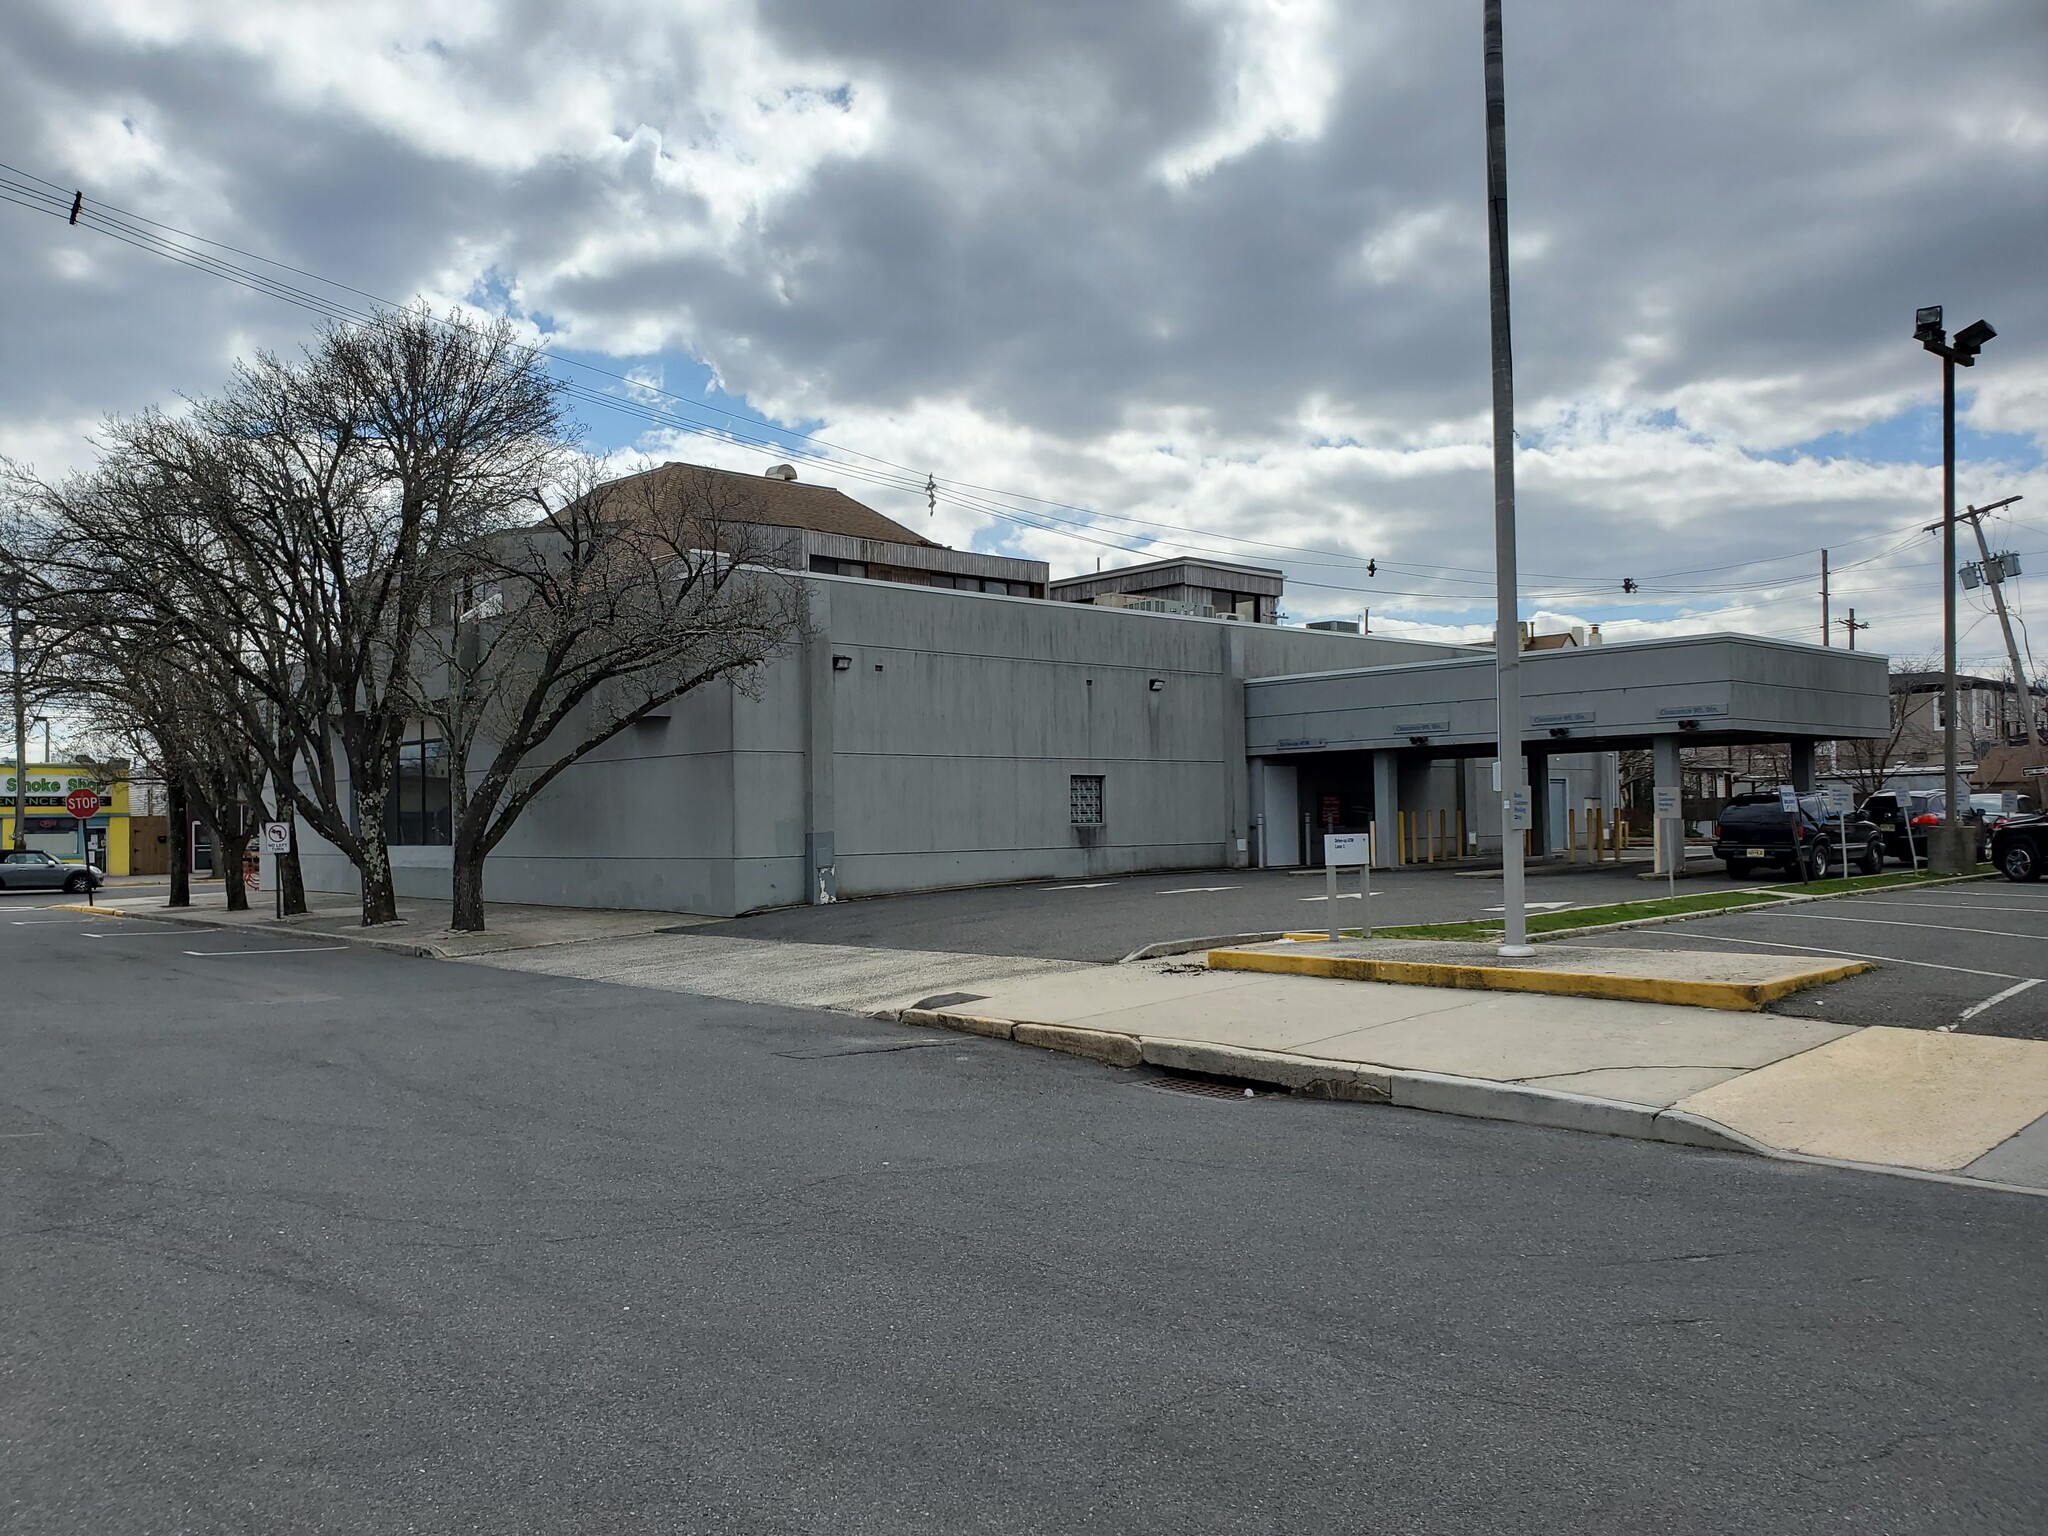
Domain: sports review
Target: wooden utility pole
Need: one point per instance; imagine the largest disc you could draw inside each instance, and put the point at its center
(1995, 579)
(1827, 630)
(1852, 626)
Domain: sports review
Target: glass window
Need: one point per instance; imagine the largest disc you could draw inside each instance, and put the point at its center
(1000, 588)
(1084, 799)
(418, 810)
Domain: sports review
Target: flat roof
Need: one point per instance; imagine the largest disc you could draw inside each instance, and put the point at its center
(1715, 689)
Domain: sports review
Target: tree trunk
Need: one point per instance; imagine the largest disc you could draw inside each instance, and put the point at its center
(180, 815)
(293, 879)
(468, 915)
(232, 850)
(380, 894)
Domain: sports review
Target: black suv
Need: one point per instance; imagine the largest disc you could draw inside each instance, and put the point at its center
(1756, 829)
(1906, 820)
(2020, 847)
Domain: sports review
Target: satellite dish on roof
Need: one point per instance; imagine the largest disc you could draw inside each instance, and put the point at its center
(782, 472)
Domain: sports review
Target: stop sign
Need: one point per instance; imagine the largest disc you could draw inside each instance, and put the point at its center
(82, 803)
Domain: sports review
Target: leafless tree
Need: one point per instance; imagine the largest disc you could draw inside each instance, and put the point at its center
(1868, 762)
(33, 642)
(293, 530)
(561, 634)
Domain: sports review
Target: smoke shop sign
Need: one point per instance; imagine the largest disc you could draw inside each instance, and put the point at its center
(49, 789)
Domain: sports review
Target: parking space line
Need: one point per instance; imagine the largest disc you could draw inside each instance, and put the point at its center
(1197, 890)
(1892, 922)
(1959, 906)
(1997, 997)
(1857, 954)
(309, 949)
(1096, 885)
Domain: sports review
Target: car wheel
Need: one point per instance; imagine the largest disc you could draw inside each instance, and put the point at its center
(76, 883)
(1738, 869)
(2020, 861)
(1873, 859)
(1817, 858)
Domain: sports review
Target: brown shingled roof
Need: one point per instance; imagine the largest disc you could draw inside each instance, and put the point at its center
(793, 504)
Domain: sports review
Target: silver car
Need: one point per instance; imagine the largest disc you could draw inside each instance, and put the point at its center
(33, 870)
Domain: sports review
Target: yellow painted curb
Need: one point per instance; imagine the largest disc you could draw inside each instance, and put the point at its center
(87, 907)
(1733, 996)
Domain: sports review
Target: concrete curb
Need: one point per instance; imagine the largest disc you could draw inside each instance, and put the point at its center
(1730, 996)
(1474, 1098)
(1167, 947)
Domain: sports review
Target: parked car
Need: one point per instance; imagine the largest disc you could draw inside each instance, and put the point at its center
(1906, 820)
(1756, 829)
(2020, 847)
(33, 870)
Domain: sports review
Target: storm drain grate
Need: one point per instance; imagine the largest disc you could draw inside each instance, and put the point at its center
(1205, 1087)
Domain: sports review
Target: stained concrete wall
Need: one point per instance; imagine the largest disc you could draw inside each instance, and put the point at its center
(939, 754)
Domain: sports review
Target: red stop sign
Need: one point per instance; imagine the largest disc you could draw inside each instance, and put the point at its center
(82, 803)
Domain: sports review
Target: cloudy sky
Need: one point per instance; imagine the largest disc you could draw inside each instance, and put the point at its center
(1158, 275)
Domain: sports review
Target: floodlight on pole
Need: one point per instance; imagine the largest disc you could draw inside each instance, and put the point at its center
(1955, 852)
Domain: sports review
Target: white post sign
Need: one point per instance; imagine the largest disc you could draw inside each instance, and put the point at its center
(277, 837)
(1517, 807)
(1670, 842)
(1348, 850)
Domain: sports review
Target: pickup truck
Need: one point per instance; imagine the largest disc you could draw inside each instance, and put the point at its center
(1756, 829)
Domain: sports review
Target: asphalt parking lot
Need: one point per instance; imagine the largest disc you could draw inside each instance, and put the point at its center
(1968, 957)
(1106, 919)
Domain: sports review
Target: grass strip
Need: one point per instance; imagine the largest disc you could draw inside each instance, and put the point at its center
(1692, 904)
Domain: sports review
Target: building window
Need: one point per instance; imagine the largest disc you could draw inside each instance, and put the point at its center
(825, 565)
(1084, 799)
(417, 811)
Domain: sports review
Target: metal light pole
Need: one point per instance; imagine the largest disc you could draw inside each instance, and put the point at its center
(1953, 852)
(1507, 637)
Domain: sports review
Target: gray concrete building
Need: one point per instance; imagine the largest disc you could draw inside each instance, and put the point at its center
(931, 729)
(1196, 588)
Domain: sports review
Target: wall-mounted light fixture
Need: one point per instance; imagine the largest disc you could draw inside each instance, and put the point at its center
(1156, 684)
(1688, 725)
(1418, 741)
(1559, 732)
(842, 663)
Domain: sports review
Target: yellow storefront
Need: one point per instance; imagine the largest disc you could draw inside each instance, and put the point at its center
(102, 837)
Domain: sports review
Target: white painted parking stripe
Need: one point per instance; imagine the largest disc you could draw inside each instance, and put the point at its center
(1196, 890)
(1959, 906)
(1856, 954)
(1889, 922)
(1095, 886)
(1997, 997)
(1341, 896)
(310, 949)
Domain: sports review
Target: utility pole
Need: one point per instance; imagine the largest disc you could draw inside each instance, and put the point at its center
(1827, 630)
(1954, 852)
(20, 831)
(1507, 633)
(1852, 626)
(1994, 577)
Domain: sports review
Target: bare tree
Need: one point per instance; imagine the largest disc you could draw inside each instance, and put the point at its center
(1868, 762)
(33, 641)
(560, 635)
(293, 530)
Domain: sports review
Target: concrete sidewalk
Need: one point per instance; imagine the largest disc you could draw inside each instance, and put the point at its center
(422, 926)
(1903, 1100)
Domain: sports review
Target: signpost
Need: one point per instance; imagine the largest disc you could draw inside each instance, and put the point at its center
(1841, 801)
(1671, 831)
(1345, 850)
(277, 841)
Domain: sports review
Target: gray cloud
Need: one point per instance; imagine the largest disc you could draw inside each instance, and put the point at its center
(1114, 254)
